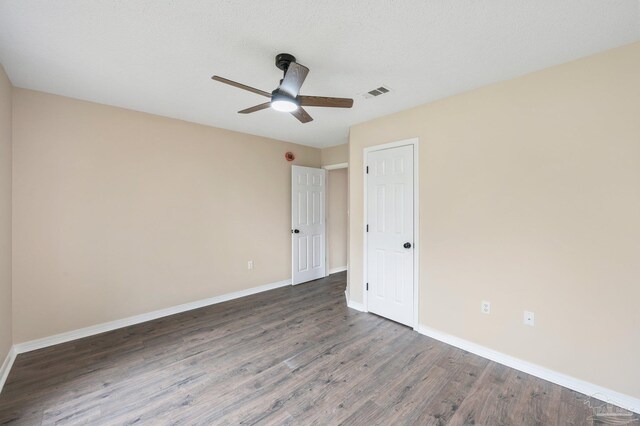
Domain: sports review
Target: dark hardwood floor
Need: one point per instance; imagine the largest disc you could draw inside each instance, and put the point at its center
(294, 355)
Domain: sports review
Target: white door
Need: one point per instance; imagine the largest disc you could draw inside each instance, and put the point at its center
(307, 223)
(390, 233)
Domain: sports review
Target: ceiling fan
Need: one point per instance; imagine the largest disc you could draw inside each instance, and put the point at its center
(286, 96)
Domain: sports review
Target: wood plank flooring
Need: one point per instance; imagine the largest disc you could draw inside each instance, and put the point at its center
(294, 355)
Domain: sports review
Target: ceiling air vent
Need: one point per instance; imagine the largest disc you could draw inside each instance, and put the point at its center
(376, 92)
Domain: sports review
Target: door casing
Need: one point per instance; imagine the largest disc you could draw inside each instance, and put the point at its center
(416, 222)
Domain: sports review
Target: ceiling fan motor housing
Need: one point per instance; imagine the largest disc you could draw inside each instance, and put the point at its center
(283, 60)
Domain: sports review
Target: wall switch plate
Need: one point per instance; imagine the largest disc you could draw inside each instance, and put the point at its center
(528, 318)
(485, 307)
(250, 264)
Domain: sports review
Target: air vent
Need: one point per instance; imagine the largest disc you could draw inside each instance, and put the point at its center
(376, 92)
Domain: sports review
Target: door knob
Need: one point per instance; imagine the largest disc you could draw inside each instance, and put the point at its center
(407, 245)
(296, 231)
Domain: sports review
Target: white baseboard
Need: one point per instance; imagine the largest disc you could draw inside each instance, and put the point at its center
(590, 389)
(354, 305)
(137, 319)
(601, 393)
(6, 366)
(338, 269)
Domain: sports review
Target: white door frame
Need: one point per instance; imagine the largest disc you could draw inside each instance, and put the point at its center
(336, 166)
(416, 222)
(328, 168)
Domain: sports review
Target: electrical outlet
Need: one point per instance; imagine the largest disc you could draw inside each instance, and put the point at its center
(250, 264)
(485, 307)
(528, 318)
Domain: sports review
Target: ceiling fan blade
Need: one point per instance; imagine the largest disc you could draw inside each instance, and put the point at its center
(241, 86)
(321, 101)
(302, 115)
(293, 79)
(255, 108)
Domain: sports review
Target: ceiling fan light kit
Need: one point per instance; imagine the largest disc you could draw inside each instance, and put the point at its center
(286, 97)
(284, 103)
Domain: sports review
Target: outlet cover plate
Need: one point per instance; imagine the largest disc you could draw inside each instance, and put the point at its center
(528, 318)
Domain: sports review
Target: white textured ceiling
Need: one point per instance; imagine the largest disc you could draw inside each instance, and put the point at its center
(158, 56)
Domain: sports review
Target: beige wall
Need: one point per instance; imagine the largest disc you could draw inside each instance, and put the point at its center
(335, 155)
(5, 215)
(529, 198)
(119, 213)
(337, 217)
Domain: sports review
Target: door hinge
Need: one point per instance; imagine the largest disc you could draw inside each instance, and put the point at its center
(367, 286)
(367, 228)
(367, 169)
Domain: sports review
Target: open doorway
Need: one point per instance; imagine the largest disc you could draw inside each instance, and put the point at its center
(337, 218)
